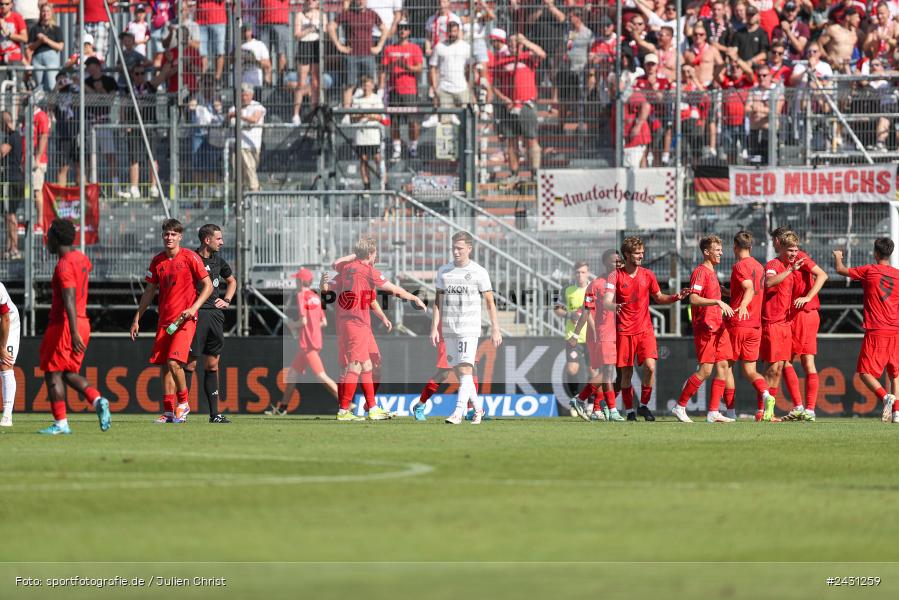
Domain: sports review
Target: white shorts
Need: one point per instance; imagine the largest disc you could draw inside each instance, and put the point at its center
(461, 351)
(12, 342)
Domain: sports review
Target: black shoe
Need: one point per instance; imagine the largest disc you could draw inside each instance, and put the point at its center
(219, 419)
(644, 412)
(631, 416)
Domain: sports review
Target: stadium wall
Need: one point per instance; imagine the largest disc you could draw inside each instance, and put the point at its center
(253, 372)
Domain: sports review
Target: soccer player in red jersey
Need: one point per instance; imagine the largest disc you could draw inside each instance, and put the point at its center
(777, 336)
(177, 273)
(628, 291)
(308, 330)
(710, 337)
(745, 327)
(880, 348)
(601, 336)
(804, 323)
(68, 331)
(357, 280)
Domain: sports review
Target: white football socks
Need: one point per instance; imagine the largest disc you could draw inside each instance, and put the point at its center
(8, 384)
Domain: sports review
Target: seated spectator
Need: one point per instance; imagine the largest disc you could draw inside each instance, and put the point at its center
(257, 62)
(360, 48)
(792, 31)
(449, 64)
(45, 43)
(367, 140)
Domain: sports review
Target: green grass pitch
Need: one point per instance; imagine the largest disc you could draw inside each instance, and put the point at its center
(511, 508)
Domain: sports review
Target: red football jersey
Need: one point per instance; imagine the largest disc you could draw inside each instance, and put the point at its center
(778, 297)
(355, 288)
(804, 281)
(747, 269)
(704, 283)
(309, 304)
(402, 81)
(633, 293)
(602, 318)
(72, 271)
(881, 297)
(176, 279)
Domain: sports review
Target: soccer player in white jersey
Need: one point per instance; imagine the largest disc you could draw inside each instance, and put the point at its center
(9, 349)
(457, 315)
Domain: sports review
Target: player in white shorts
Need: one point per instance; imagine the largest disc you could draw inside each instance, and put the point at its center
(457, 315)
(9, 350)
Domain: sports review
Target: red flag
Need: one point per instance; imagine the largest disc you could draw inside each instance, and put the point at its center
(62, 202)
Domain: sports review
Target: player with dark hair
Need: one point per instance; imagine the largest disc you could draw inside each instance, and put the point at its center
(209, 338)
(710, 337)
(68, 330)
(628, 291)
(600, 345)
(745, 327)
(880, 348)
(176, 273)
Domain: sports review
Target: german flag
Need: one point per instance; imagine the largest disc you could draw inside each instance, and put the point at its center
(711, 185)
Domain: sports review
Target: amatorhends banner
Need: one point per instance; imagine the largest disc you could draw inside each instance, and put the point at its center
(517, 378)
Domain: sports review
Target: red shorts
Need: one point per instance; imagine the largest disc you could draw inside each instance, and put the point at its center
(602, 353)
(641, 344)
(745, 342)
(56, 352)
(442, 363)
(173, 347)
(712, 346)
(357, 343)
(805, 332)
(307, 359)
(777, 342)
(879, 351)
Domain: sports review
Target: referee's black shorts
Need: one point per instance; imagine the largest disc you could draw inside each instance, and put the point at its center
(209, 338)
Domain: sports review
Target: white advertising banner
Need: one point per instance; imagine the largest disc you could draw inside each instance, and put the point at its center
(606, 199)
(844, 184)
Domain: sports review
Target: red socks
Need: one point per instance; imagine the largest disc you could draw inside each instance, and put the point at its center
(761, 386)
(182, 396)
(348, 389)
(729, 397)
(91, 394)
(693, 383)
(610, 400)
(59, 410)
(717, 391)
(588, 392)
(168, 403)
(880, 393)
(811, 391)
(430, 389)
(368, 389)
(792, 382)
(645, 394)
(627, 396)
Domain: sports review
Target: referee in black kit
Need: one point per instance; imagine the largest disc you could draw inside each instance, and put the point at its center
(210, 335)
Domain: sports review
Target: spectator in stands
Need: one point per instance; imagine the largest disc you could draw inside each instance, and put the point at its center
(30, 10)
(133, 58)
(752, 43)
(888, 102)
(360, 49)
(401, 65)
(792, 31)
(212, 17)
(698, 131)
(13, 34)
(839, 41)
(667, 53)
(390, 11)
(44, 46)
(145, 93)
(253, 114)
(735, 80)
(704, 57)
(273, 21)
(367, 140)
(163, 11)
(40, 143)
(815, 65)
(100, 90)
(637, 135)
(718, 27)
(139, 27)
(257, 62)
(605, 47)
(87, 52)
(759, 110)
(308, 27)
(515, 92)
(12, 182)
(655, 87)
(637, 38)
(206, 144)
(437, 26)
(780, 71)
(96, 23)
(739, 20)
(65, 110)
(571, 79)
(169, 69)
(449, 63)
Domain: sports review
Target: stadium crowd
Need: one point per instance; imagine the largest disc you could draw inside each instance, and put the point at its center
(530, 68)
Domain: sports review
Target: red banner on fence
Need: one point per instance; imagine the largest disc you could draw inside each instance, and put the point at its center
(842, 184)
(63, 202)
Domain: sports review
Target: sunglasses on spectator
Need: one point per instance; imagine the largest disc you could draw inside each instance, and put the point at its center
(765, 74)
(778, 52)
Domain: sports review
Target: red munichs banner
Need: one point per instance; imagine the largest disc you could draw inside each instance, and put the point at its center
(62, 202)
